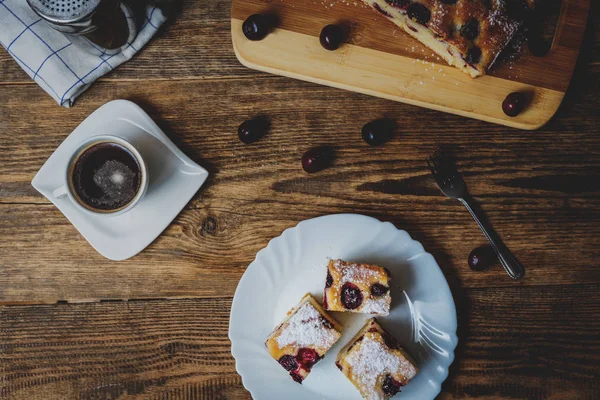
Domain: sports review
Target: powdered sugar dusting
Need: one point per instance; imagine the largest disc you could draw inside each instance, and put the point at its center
(372, 360)
(439, 17)
(378, 305)
(499, 21)
(305, 329)
(354, 273)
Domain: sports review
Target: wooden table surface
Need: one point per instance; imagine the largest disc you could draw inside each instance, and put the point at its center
(74, 325)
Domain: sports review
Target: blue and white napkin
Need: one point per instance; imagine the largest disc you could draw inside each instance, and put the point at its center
(62, 69)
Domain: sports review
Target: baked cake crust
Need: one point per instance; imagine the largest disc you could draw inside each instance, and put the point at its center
(375, 363)
(469, 34)
(303, 338)
(359, 288)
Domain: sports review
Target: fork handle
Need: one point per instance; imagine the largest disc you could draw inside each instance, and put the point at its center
(512, 266)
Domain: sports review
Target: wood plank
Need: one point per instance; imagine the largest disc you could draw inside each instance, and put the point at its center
(533, 343)
(302, 116)
(516, 342)
(49, 261)
(542, 201)
(118, 350)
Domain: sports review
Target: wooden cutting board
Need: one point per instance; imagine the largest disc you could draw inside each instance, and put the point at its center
(381, 60)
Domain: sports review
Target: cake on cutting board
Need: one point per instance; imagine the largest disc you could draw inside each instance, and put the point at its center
(469, 34)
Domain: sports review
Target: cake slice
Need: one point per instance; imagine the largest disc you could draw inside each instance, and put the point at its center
(360, 288)
(303, 338)
(469, 34)
(375, 363)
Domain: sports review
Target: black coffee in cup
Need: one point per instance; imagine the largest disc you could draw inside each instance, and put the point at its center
(105, 177)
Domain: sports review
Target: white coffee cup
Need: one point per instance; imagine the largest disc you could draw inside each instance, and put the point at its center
(68, 187)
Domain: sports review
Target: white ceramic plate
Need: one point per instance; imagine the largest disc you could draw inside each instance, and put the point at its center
(423, 316)
(174, 179)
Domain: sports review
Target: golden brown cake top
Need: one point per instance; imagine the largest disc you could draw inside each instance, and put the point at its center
(479, 29)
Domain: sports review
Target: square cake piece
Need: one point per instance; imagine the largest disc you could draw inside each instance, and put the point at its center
(469, 34)
(360, 288)
(375, 363)
(303, 338)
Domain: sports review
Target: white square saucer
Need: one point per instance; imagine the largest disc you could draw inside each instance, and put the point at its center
(174, 179)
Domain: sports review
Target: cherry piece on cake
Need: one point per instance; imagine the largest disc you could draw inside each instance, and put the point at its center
(303, 338)
(377, 289)
(375, 364)
(390, 386)
(328, 280)
(473, 55)
(419, 13)
(352, 297)
(470, 30)
(359, 288)
(288, 362)
(307, 357)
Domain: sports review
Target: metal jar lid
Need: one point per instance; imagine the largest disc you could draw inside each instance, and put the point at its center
(68, 16)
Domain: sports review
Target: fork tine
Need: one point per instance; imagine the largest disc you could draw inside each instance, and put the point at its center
(438, 165)
(437, 160)
(431, 167)
(444, 163)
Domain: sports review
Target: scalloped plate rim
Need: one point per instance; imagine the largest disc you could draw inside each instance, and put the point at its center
(234, 349)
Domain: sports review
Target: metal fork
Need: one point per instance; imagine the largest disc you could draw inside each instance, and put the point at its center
(452, 185)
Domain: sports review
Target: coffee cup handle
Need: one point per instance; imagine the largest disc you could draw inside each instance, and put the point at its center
(60, 192)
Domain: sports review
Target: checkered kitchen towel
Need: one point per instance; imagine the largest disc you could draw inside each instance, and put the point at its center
(59, 67)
